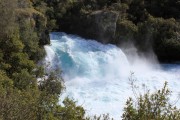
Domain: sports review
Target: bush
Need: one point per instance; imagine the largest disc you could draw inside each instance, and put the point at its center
(154, 106)
(125, 31)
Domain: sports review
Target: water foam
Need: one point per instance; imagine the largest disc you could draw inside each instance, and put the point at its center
(97, 75)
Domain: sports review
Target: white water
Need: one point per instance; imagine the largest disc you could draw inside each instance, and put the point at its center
(97, 75)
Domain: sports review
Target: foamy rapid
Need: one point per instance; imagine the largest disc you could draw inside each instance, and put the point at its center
(96, 75)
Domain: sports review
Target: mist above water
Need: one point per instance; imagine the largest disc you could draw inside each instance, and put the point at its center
(97, 75)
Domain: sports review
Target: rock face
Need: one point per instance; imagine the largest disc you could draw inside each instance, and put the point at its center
(99, 25)
(102, 25)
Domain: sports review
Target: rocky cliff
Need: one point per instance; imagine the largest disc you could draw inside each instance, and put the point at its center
(102, 25)
(99, 25)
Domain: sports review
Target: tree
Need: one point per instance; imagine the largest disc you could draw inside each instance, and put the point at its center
(154, 106)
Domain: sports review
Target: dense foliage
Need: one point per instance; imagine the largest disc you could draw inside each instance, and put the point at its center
(22, 97)
(154, 106)
(149, 24)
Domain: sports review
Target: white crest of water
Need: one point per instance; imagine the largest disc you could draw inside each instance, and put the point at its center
(96, 75)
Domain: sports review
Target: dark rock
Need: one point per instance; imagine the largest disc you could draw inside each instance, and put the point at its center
(102, 25)
(99, 25)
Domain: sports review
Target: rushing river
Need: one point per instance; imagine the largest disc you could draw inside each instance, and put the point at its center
(97, 75)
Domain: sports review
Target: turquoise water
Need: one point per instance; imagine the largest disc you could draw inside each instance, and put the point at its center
(97, 75)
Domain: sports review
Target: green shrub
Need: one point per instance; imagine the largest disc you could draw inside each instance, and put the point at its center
(154, 106)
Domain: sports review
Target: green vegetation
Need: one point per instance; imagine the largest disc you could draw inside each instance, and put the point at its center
(24, 29)
(22, 97)
(154, 106)
(149, 24)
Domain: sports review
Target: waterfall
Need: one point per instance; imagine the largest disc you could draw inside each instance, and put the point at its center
(96, 75)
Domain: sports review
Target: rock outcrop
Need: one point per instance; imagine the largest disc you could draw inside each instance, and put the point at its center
(99, 25)
(102, 25)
